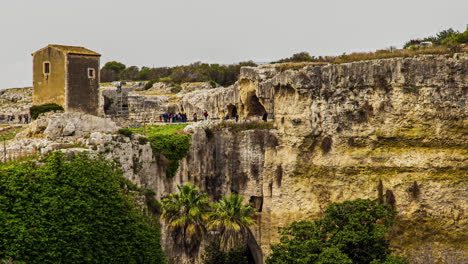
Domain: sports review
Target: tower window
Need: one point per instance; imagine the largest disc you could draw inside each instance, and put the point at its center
(46, 69)
(91, 73)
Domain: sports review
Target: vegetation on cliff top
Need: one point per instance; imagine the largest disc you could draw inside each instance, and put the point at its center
(224, 75)
(36, 110)
(445, 42)
(350, 232)
(444, 37)
(169, 143)
(75, 209)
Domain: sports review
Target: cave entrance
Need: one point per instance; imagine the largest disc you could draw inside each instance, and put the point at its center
(254, 107)
(231, 111)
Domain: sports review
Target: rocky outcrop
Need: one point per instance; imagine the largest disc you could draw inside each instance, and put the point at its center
(15, 101)
(218, 102)
(395, 128)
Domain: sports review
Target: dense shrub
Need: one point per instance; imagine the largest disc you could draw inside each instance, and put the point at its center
(173, 146)
(74, 209)
(444, 37)
(214, 255)
(125, 132)
(350, 232)
(224, 75)
(36, 110)
(143, 140)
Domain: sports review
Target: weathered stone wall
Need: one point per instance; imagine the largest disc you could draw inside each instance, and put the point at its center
(82, 91)
(49, 88)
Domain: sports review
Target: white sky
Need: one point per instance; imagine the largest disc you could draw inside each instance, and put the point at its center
(175, 32)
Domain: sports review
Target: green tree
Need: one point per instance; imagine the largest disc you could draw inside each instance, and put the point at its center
(186, 214)
(115, 66)
(111, 70)
(231, 218)
(215, 255)
(73, 209)
(131, 73)
(350, 232)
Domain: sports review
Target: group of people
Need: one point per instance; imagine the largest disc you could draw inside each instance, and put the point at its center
(173, 118)
(22, 118)
(180, 117)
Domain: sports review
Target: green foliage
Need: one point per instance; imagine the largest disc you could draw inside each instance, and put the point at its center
(125, 132)
(114, 66)
(298, 57)
(143, 140)
(170, 141)
(149, 84)
(186, 213)
(36, 110)
(350, 232)
(444, 37)
(131, 73)
(8, 134)
(224, 75)
(173, 146)
(190, 215)
(231, 218)
(72, 210)
(164, 129)
(214, 255)
(213, 84)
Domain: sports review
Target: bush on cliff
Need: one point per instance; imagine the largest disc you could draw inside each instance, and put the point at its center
(73, 210)
(36, 110)
(173, 146)
(169, 141)
(350, 232)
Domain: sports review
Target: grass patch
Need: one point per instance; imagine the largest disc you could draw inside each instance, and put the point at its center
(10, 133)
(242, 126)
(153, 130)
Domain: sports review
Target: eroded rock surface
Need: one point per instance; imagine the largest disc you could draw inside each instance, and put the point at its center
(394, 127)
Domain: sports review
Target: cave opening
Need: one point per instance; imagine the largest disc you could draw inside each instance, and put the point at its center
(254, 107)
(231, 111)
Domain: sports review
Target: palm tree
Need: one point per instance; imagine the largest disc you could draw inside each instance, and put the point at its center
(186, 214)
(232, 219)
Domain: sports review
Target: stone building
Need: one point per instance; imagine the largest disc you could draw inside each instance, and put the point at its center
(67, 76)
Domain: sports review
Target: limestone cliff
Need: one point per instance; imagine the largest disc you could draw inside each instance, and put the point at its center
(342, 129)
(393, 129)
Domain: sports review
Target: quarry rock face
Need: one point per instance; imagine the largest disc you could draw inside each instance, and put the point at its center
(393, 130)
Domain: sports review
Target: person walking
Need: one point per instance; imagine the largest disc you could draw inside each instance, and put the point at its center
(205, 115)
(194, 117)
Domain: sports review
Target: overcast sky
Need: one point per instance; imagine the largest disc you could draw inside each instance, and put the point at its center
(175, 32)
